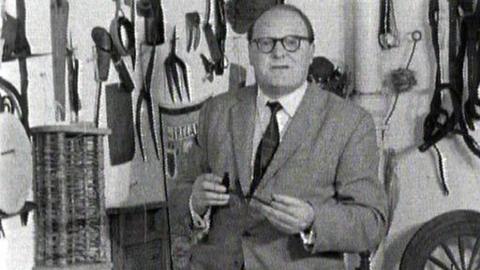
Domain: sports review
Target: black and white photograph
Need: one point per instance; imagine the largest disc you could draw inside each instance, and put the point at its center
(239, 135)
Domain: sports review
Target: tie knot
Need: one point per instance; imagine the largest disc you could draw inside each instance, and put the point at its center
(274, 106)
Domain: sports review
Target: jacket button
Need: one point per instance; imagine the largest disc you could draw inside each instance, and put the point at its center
(246, 234)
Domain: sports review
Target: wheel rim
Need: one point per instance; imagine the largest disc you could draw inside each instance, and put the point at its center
(455, 253)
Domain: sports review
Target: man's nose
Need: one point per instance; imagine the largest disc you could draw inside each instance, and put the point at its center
(278, 50)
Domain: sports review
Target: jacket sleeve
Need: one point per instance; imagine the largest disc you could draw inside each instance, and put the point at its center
(355, 219)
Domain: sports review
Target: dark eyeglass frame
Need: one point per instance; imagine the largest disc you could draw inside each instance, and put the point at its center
(282, 41)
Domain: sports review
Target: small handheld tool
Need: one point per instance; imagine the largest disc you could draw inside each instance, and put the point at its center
(226, 181)
(208, 66)
(193, 30)
(73, 68)
(145, 96)
(152, 12)
(176, 72)
(114, 48)
(103, 48)
(122, 33)
(59, 10)
(216, 41)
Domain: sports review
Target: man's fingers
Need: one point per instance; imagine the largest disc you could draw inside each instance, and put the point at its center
(213, 178)
(287, 209)
(213, 199)
(213, 186)
(217, 202)
(212, 196)
(287, 200)
(282, 226)
(279, 215)
(277, 222)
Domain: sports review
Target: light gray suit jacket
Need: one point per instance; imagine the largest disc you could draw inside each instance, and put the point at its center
(328, 156)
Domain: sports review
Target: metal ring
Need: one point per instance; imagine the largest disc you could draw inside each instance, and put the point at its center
(416, 35)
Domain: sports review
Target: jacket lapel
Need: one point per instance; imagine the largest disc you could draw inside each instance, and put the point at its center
(242, 117)
(304, 124)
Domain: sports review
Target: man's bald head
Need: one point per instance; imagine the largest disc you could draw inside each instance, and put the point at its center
(288, 8)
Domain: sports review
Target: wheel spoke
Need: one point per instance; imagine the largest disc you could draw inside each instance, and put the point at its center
(461, 251)
(450, 256)
(476, 247)
(438, 263)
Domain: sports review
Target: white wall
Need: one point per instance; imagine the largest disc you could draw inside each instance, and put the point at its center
(420, 196)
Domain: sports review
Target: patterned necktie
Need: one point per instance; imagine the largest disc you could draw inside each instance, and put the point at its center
(267, 147)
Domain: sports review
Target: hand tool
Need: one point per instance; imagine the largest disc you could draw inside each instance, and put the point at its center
(175, 70)
(118, 103)
(107, 45)
(192, 23)
(213, 46)
(388, 33)
(208, 66)
(118, 96)
(120, 26)
(103, 45)
(73, 68)
(146, 96)
(226, 184)
(239, 193)
(154, 35)
(221, 34)
(226, 181)
(152, 12)
(59, 24)
(15, 45)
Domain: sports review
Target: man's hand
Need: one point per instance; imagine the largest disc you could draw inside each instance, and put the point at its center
(208, 191)
(289, 214)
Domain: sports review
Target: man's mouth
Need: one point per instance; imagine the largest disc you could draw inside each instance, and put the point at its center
(280, 67)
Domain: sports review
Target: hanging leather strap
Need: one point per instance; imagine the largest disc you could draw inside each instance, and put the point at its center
(439, 122)
(470, 47)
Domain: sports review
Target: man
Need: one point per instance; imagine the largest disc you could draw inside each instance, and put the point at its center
(287, 173)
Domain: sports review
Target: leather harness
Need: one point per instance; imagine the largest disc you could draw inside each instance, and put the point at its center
(439, 121)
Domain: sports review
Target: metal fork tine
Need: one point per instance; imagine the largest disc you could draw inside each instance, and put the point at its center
(170, 82)
(177, 80)
(183, 69)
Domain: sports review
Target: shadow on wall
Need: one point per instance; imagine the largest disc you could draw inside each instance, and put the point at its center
(393, 254)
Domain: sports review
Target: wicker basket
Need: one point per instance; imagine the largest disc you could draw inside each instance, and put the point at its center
(69, 191)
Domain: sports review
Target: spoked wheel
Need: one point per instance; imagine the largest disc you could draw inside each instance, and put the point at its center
(450, 241)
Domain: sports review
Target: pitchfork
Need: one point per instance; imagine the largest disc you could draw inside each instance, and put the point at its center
(176, 72)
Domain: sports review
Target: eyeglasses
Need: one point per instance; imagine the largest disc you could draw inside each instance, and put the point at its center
(289, 43)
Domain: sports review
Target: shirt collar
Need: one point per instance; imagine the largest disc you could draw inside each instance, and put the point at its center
(289, 102)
